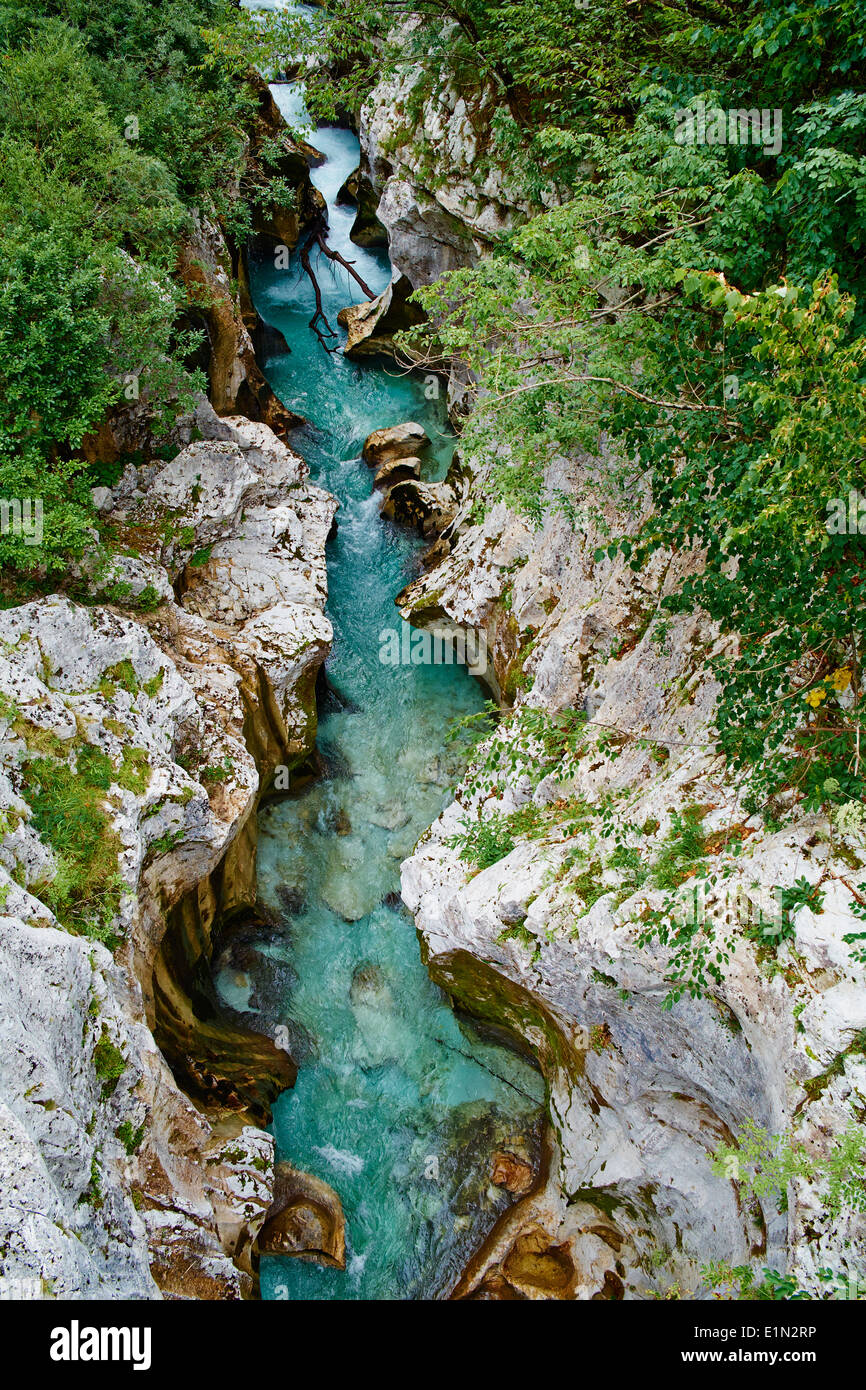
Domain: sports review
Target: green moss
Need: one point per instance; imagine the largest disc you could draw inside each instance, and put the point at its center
(588, 885)
(122, 674)
(129, 1137)
(93, 1195)
(67, 811)
(135, 771)
(40, 740)
(154, 685)
(818, 1084)
(109, 1063)
(600, 978)
(519, 931)
(684, 846)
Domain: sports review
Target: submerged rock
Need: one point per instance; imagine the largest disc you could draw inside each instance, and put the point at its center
(370, 987)
(346, 897)
(511, 1172)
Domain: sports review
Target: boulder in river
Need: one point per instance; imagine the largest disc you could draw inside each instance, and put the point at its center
(399, 442)
(305, 1219)
(371, 326)
(397, 471)
(429, 507)
(359, 192)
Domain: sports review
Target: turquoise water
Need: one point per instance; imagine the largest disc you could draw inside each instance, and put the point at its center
(398, 1105)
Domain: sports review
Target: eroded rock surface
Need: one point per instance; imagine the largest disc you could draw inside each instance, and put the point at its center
(372, 325)
(444, 195)
(306, 1219)
(113, 1183)
(546, 940)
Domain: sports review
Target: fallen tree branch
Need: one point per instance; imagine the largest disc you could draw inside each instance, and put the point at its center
(347, 265)
(304, 255)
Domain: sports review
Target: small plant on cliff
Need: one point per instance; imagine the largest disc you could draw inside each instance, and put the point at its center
(527, 742)
(483, 842)
(764, 1164)
(109, 1063)
(743, 1282)
(130, 1137)
(682, 850)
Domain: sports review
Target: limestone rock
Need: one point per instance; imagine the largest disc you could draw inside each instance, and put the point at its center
(639, 1095)
(372, 325)
(358, 191)
(428, 507)
(397, 442)
(511, 1172)
(444, 197)
(236, 382)
(185, 709)
(397, 471)
(306, 1219)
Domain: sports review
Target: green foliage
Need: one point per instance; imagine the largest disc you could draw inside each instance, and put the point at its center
(741, 1282)
(88, 231)
(68, 813)
(765, 1164)
(114, 124)
(130, 1137)
(527, 742)
(659, 274)
(483, 842)
(683, 847)
(134, 773)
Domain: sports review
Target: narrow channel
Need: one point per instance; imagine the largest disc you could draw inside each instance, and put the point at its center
(399, 1105)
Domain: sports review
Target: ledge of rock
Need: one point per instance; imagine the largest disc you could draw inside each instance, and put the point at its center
(175, 715)
(235, 379)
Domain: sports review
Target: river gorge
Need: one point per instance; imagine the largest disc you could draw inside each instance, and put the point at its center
(397, 1105)
(389, 910)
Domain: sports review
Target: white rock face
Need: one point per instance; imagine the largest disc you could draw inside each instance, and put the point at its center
(640, 1096)
(112, 1183)
(436, 224)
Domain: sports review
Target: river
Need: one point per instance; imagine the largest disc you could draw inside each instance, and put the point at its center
(398, 1105)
